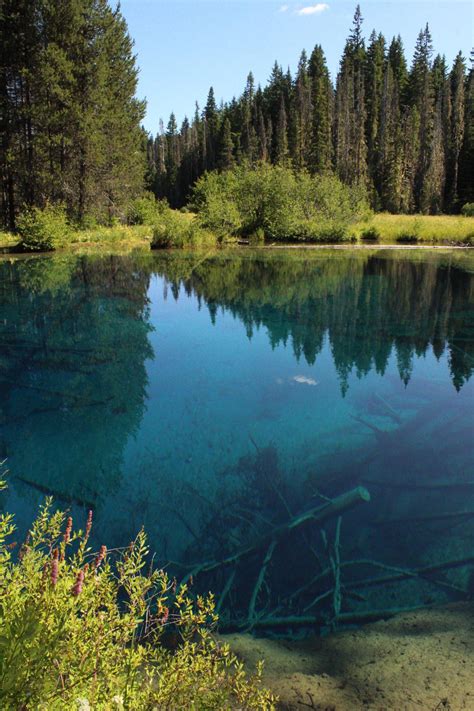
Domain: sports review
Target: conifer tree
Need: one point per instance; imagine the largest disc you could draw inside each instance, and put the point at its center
(351, 146)
(421, 94)
(226, 146)
(373, 91)
(466, 157)
(456, 127)
(70, 127)
(302, 114)
(322, 112)
(281, 136)
(211, 117)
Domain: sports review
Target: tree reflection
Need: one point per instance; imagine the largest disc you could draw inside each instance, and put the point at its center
(368, 305)
(74, 340)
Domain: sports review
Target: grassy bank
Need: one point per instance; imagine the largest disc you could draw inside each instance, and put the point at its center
(120, 236)
(382, 228)
(399, 229)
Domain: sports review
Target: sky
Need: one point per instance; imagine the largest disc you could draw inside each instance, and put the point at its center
(185, 46)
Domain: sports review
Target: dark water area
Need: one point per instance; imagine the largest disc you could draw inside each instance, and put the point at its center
(244, 407)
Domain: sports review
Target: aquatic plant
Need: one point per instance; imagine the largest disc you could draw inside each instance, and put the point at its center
(105, 630)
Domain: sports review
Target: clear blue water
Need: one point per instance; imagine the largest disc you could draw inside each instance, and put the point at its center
(214, 398)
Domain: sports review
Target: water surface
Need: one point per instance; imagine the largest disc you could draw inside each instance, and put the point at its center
(214, 398)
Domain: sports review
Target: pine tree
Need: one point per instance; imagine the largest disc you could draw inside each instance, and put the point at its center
(226, 146)
(389, 167)
(302, 114)
(281, 136)
(456, 127)
(172, 161)
(397, 61)
(211, 118)
(351, 146)
(322, 97)
(466, 157)
(374, 81)
(421, 94)
(70, 121)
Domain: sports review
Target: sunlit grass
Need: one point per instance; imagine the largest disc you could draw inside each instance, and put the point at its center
(397, 229)
(8, 240)
(133, 235)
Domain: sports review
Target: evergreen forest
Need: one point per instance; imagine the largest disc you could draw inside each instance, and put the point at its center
(71, 126)
(405, 133)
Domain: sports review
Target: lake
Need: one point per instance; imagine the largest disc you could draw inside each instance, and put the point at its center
(293, 428)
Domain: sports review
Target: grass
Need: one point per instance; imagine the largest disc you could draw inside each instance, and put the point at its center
(385, 228)
(399, 229)
(123, 236)
(8, 240)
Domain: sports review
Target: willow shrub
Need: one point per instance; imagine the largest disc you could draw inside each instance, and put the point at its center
(43, 229)
(282, 203)
(145, 210)
(177, 229)
(80, 631)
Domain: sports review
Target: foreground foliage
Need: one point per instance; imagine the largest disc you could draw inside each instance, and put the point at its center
(79, 631)
(278, 203)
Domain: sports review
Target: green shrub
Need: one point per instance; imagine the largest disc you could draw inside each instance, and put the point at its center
(257, 237)
(144, 210)
(324, 231)
(407, 237)
(371, 234)
(80, 631)
(214, 200)
(468, 209)
(281, 203)
(43, 229)
(175, 229)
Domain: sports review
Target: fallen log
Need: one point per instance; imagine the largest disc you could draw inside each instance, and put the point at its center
(319, 515)
(415, 572)
(347, 618)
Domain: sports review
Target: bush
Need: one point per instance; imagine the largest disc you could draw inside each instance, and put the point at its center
(257, 238)
(214, 200)
(371, 234)
(468, 209)
(43, 229)
(144, 210)
(281, 203)
(175, 229)
(407, 237)
(324, 231)
(79, 632)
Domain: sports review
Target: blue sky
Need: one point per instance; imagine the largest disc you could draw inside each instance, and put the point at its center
(185, 46)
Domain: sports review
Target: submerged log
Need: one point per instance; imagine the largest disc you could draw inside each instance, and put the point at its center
(424, 572)
(57, 495)
(348, 618)
(319, 515)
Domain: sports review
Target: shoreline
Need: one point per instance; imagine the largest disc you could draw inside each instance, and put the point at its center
(7, 252)
(420, 659)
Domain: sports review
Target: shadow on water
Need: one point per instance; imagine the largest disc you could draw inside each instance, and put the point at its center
(294, 430)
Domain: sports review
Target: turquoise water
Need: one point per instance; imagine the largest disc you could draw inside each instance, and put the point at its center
(216, 398)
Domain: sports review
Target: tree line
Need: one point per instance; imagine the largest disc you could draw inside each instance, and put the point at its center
(405, 133)
(71, 133)
(70, 128)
